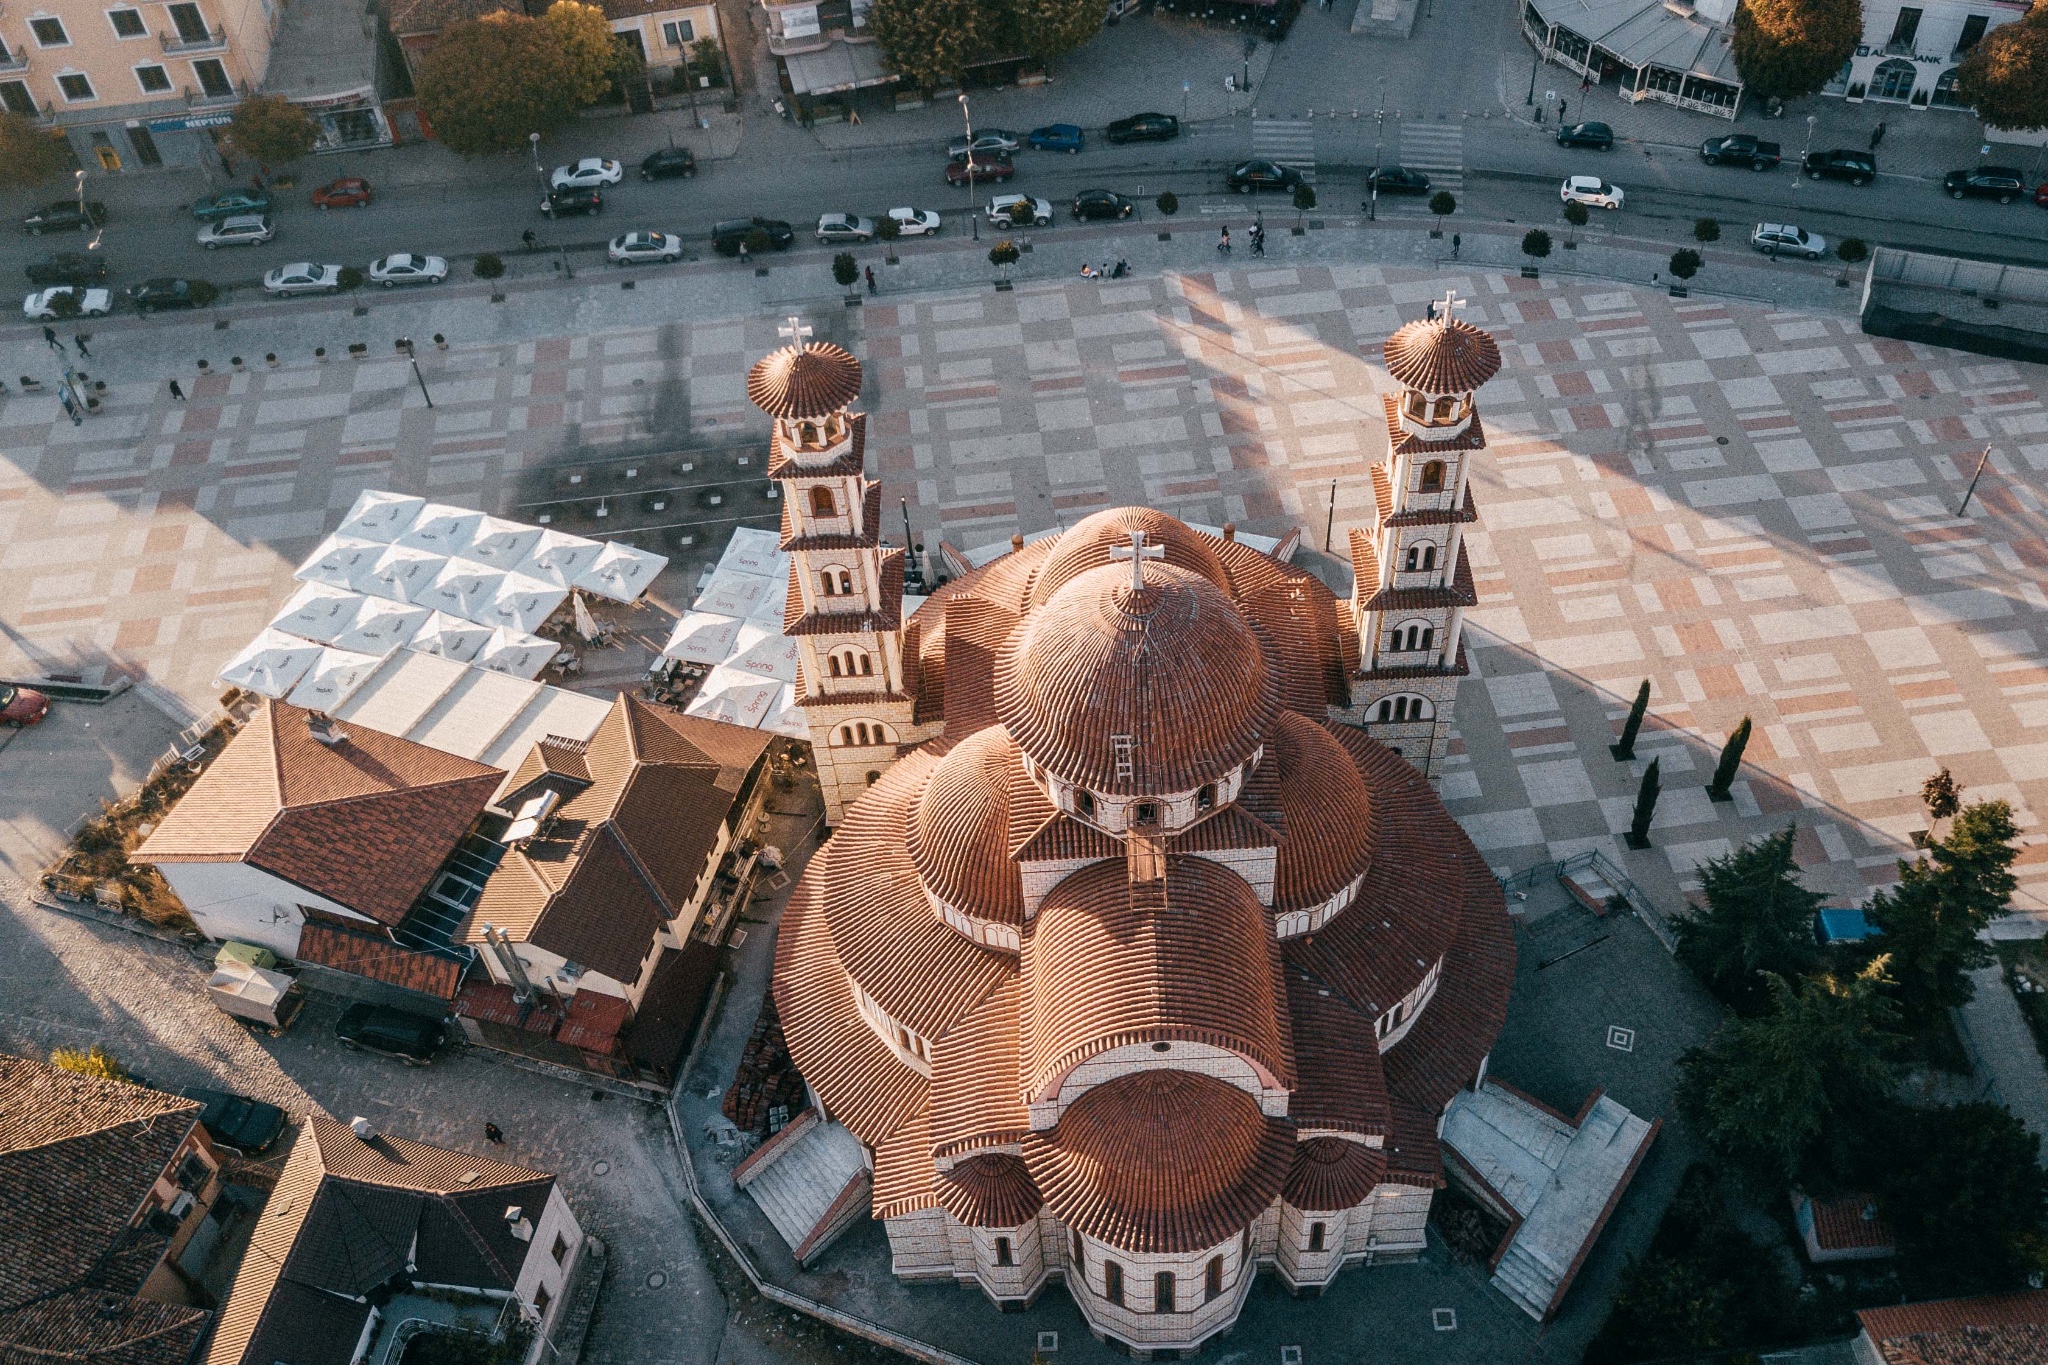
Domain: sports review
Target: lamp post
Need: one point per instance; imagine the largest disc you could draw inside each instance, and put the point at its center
(967, 116)
(405, 344)
(1806, 152)
(1251, 45)
(1535, 65)
(1379, 122)
(533, 144)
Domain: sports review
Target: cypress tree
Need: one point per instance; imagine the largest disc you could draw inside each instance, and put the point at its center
(1646, 805)
(1731, 762)
(1627, 748)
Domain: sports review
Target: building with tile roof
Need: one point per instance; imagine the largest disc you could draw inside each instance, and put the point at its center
(365, 1231)
(1990, 1329)
(110, 1190)
(1130, 963)
(660, 31)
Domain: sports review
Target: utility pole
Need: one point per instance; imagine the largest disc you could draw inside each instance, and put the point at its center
(1251, 45)
(1379, 124)
(1330, 526)
(967, 116)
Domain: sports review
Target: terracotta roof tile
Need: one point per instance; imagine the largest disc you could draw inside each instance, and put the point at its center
(905, 1182)
(782, 466)
(1331, 1173)
(1459, 592)
(1365, 557)
(992, 1190)
(560, 761)
(1413, 1154)
(976, 1100)
(1443, 1049)
(415, 18)
(1161, 1162)
(1464, 515)
(1401, 442)
(2016, 1345)
(2026, 1309)
(1343, 1087)
(815, 381)
(1298, 620)
(88, 1325)
(850, 540)
(1329, 821)
(1231, 828)
(593, 1021)
(975, 633)
(1842, 1225)
(1090, 543)
(888, 615)
(1444, 355)
(370, 953)
(959, 836)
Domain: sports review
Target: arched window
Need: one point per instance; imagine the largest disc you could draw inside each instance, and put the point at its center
(1445, 407)
(873, 777)
(1084, 802)
(836, 582)
(1145, 813)
(1411, 636)
(850, 661)
(1205, 799)
(1079, 1254)
(1113, 1282)
(1418, 405)
(863, 734)
(1406, 706)
(1162, 1292)
(1893, 79)
(1212, 1280)
(1421, 558)
(1433, 476)
(822, 503)
(1315, 1236)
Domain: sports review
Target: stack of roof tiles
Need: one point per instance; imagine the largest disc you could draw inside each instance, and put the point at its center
(766, 1078)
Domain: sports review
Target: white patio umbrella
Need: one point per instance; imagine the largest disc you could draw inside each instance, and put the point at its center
(381, 626)
(786, 717)
(523, 603)
(621, 572)
(736, 698)
(380, 516)
(733, 593)
(558, 558)
(768, 611)
(318, 611)
(271, 664)
(337, 561)
(516, 653)
(442, 529)
(462, 588)
(451, 637)
(751, 550)
(401, 573)
(764, 653)
(500, 543)
(335, 674)
(703, 637)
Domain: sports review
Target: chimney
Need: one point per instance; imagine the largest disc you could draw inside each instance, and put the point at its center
(362, 1128)
(516, 1220)
(501, 948)
(1230, 531)
(322, 728)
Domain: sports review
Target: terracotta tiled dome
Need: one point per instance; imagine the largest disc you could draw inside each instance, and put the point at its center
(1174, 667)
(960, 835)
(1161, 1162)
(992, 1190)
(1333, 1173)
(1442, 356)
(816, 381)
(1087, 545)
(1326, 813)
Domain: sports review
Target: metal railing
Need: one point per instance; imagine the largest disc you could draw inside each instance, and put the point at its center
(214, 40)
(14, 62)
(1659, 923)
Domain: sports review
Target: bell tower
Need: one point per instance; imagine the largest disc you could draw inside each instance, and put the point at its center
(1411, 584)
(845, 607)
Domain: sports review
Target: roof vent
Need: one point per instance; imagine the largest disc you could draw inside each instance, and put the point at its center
(469, 1177)
(517, 1221)
(111, 1306)
(321, 726)
(362, 1128)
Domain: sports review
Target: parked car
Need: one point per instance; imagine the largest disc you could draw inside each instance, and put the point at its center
(1143, 128)
(405, 267)
(668, 163)
(92, 303)
(845, 227)
(1058, 137)
(1397, 180)
(1774, 238)
(1102, 204)
(243, 1126)
(566, 203)
(64, 216)
(587, 174)
(349, 192)
(1986, 182)
(412, 1038)
(915, 222)
(987, 140)
(22, 706)
(1597, 136)
(1843, 163)
(230, 204)
(635, 247)
(67, 267)
(303, 277)
(986, 167)
(1741, 149)
(169, 292)
(1019, 210)
(727, 236)
(1591, 190)
(1247, 176)
(250, 229)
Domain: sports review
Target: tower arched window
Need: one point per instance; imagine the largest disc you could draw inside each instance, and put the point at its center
(1418, 405)
(822, 502)
(863, 733)
(1084, 802)
(1315, 1236)
(1212, 1280)
(1433, 476)
(1421, 558)
(1405, 706)
(836, 582)
(1411, 636)
(850, 661)
(1162, 1292)
(1446, 408)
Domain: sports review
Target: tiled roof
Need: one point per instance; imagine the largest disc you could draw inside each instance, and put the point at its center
(992, 1190)
(369, 952)
(1161, 1162)
(1464, 515)
(1851, 1222)
(782, 466)
(1459, 592)
(559, 760)
(1298, 619)
(959, 836)
(1343, 1087)
(971, 637)
(1331, 1173)
(1090, 543)
(976, 1101)
(1444, 1047)
(410, 18)
(89, 1325)
(1174, 668)
(1400, 441)
(816, 381)
(1918, 1327)
(1445, 355)
(365, 822)
(1365, 557)
(1328, 822)
(905, 1182)
(593, 1020)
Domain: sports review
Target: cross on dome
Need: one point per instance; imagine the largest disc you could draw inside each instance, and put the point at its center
(796, 330)
(1138, 552)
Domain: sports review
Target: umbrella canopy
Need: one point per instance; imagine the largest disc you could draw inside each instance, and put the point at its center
(736, 698)
(731, 593)
(764, 654)
(523, 603)
(318, 611)
(381, 626)
(621, 572)
(752, 550)
(703, 637)
(381, 516)
(451, 637)
(339, 559)
(558, 558)
(401, 573)
(786, 717)
(501, 544)
(768, 611)
(442, 529)
(335, 674)
(271, 663)
(517, 653)
(462, 588)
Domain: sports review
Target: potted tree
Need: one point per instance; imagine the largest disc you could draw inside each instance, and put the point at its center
(1168, 204)
(1304, 200)
(1706, 230)
(1443, 204)
(1002, 256)
(1685, 263)
(1849, 251)
(1575, 214)
(889, 230)
(1535, 245)
(847, 272)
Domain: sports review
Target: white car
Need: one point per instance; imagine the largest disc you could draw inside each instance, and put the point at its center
(1773, 238)
(1016, 210)
(845, 227)
(915, 222)
(303, 277)
(244, 229)
(92, 303)
(586, 174)
(403, 267)
(635, 247)
(1592, 190)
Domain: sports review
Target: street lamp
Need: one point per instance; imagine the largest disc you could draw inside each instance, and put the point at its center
(967, 116)
(1810, 121)
(1379, 122)
(1251, 44)
(533, 142)
(405, 345)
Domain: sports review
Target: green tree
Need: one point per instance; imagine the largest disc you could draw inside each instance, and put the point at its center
(1851, 250)
(1706, 230)
(1168, 203)
(1443, 204)
(1731, 752)
(2006, 75)
(490, 82)
(1966, 1198)
(1575, 214)
(1631, 727)
(1535, 244)
(930, 42)
(1052, 28)
(1942, 795)
(1646, 804)
(30, 155)
(1757, 918)
(585, 49)
(1931, 920)
(1685, 263)
(1778, 1096)
(1003, 255)
(705, 60)
(270, 129)
(1789, 48)
(94, 1061)
(845, 270)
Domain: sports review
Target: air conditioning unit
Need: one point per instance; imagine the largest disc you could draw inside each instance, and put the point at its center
(516, 1220)
(181, 1206)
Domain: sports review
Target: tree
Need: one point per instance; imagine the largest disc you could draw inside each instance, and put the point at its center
(1757, 918)
(1626, 750)
(65, 305)
(1779, 1096)
(930, 42)
(887, 228)
(1304, 200)
(1851, 250)
(584, 46)
(30, 155)
(1731, 752)
(1646, 805)
(271, 130)
(1788, 48)
(1942, 795)
(1443, 204)
(1966, 1198)
(1052, 28)
(705, 60)
(1931, 920)
(1706, 230)
(1003, 255)
(489, 266)
(490, 82)
(1576, 214)
(1168, 203)
(95, 1061)
(2006, 75)
(844, 269)
(1535, 244)
(1685, 263)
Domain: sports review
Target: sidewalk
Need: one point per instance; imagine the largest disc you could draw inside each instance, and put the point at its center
(2002, 1047)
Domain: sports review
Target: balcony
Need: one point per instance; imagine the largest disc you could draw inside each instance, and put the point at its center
(1900, 47)
(175, 44)
(13, 63)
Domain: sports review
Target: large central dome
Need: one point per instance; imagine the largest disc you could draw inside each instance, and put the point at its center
(1138, 691)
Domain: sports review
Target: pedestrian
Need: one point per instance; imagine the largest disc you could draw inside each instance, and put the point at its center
(50, 339)
(528, 239)
(1561, 106)
(1258, 240)
(492, 1133)
(871, 279)
(1222, 248)
(177, 391)
(1456, 242)
(745, 259)
(79, 339)
(1877, 135)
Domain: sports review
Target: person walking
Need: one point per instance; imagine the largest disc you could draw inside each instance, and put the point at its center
(177, 391)
(1877, 135)
(871, 279)
(50, 339)
(745, 259)
(1258, 240)
(492, 1133)
(1561, 106)
(1456, 242)
(1222, 248)
(79, 339)
(528, 240)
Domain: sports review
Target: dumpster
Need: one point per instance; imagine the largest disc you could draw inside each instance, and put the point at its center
(255, 995)
(248, 953)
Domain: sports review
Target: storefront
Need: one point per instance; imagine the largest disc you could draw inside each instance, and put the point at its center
(1640, 49)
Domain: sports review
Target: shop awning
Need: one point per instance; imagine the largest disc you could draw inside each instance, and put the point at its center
(836, 68)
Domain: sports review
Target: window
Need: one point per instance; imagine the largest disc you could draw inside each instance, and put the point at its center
(851, 663)
(1445, 408)
(1205, 799)
(1315, 1236)
(49, 32)
(1162, 1292)
(822, 503)
(1893, 79)
(191, 23)
(1084, 802)
(1407, 706)
(836, 582)
(1079, 1253)
(1973, 33)
(560, 1250)
(1212, 1280)
(75, 86)
(679, 33)
(541, 1300)
(873, 778)
(1145, 813)
(145, 146)
(1418, 405)
(1003, 1256)
(1411, 637)
(128, 23)
(154, 80)
(1433, 477)
(213, 79)
(1421, 558)
(863, 733)
(1906, 28)
(1113, 1282)
(15, 95)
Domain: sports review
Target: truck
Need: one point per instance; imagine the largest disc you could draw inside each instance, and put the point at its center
(1740, 149)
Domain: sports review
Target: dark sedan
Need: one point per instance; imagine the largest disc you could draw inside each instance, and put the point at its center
(1858, 168)
(1058, 137)
(67, 267)
(727, 236)
(230, 204)
(1396, 180)
(566, 203)
(241, 1125)
(1247, 176)
(2002, 183)
(66, 215)
(1143, 128)
(169, 292)
(412, 1038)
(984, 168)
(668, 164)
(1598, 136)
(1102, 204)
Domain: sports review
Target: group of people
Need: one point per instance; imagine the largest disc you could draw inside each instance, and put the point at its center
(1257, 234)
(1105, 271)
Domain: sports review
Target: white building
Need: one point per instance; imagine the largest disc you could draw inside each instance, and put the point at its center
(1909, 53)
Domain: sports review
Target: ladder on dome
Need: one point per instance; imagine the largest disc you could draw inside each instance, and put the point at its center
(1120, 748)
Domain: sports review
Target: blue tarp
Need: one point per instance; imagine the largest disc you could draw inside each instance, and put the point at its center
(1842, 926)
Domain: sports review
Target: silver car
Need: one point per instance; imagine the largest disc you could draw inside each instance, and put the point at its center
(634, 247)
(244, 229)
(1774, 238)
(845, 227)
(403, 267)
(987, 140)
(303, 277)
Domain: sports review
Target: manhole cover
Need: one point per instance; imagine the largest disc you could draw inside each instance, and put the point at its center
(655, 1279)
(602, 1167)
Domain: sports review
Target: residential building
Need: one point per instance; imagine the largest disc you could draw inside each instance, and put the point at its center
(1991, 1329)
(824, 47)
(1848, 1227)
(661, 31)
(1909, 53)
(369, 1238)
(114, 1206)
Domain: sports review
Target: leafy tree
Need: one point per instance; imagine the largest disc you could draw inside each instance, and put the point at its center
(1003, 255)
(1168, 203)
(1575, 214)
(929, 43)
(1685, 263)
(490, 82)
(1536, 244)
(1706, 230)
(489, 266)
(1646, 804)
(1052, 28)
(351, 277)
(1966, 1198)
(585, 49)
(1942, 795)
(65, 305)
(845, 270)
(94, 1061)
(1757, 918)
(1443, 204)
(30, 155)
(1626, 749)
(1851, 250)
(1789, 48)
(1931, 920)
(1779, 1096)
(2006, 75)
(705, 60)
(271, 130)
(887, 228)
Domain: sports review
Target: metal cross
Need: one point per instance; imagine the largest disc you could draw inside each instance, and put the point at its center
(1450, 301)
(795, 330)
(1138, 552)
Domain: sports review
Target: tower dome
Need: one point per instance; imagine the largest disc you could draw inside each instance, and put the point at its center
(814, 379)
(1442, 356)
(960, 835)
(1093, 542)
(1138, 690)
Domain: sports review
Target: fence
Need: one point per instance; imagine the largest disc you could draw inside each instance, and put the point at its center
(1602, 866)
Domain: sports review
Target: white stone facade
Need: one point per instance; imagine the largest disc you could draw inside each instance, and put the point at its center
(1909, 53)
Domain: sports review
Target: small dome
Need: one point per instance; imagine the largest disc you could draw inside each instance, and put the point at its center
(960, 835)
(1173, 669)
(1089, 543)
(1446, 356)
(1326, 812)
(816, 381)
(991, 1190)
(1332, 1173)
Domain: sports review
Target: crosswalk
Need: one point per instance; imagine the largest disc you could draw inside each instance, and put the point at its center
(1290, 142)
(1437, 148)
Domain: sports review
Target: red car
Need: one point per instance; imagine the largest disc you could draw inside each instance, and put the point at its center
(990, 168)
(350, 192)
(20, 706)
